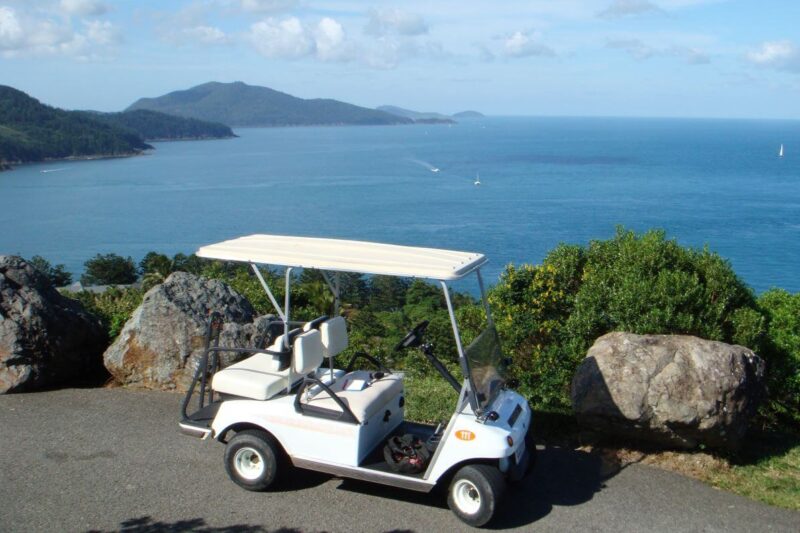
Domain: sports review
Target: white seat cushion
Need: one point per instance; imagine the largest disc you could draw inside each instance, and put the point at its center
(256, 377)
(363, 403)
(307, 352)
(334, 336)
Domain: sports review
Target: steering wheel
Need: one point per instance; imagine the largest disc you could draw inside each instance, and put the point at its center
(414, 337)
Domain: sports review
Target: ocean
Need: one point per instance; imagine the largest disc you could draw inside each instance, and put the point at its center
(543, 181)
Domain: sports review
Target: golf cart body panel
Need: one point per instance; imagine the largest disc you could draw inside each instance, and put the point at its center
(341, 421)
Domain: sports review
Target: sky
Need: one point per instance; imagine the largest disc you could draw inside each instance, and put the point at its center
(654, 58)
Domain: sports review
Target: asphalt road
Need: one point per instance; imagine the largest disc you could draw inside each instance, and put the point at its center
(113, 459)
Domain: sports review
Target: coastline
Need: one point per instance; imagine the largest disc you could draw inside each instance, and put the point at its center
(5, 166)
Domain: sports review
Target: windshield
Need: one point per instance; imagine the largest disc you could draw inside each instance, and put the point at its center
(487, 366)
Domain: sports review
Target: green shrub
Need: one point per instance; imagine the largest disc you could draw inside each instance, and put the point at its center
(109, 269)
(57, 275)
(550, 314)
(113, 307)
(782, 352)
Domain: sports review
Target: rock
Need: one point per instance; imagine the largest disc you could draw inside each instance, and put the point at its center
(161, 344)
(672, 390)
(46, 339)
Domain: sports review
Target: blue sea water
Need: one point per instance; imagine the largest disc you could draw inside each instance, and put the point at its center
(544, 181)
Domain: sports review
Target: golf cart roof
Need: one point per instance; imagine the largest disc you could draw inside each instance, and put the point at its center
(346, 256)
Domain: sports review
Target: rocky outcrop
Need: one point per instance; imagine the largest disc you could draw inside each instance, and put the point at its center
(163, 341)
(672, 390)
(45, 338)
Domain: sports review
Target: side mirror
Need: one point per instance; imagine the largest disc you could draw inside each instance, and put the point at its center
(512, 383)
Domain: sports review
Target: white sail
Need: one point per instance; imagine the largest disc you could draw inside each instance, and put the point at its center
(780, 152)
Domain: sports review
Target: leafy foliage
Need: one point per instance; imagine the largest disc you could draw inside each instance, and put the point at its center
(153, 126)
(109, 269)
(31, 131)
(58, 274)
(782, 351)
(113, 307)
(550, 314)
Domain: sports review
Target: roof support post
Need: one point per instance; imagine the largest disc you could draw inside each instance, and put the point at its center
(286, 345)
(485, 300)
(269, 292)
(462, 357)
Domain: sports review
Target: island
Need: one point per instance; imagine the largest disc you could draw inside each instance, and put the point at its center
(31, 131)
(241, 105)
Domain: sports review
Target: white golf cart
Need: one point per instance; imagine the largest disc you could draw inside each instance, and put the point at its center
(280, 406)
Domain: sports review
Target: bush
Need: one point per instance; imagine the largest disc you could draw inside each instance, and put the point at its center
(550, 314)
(109, 269)
(113, 307)
(782, 311)
(58, 274)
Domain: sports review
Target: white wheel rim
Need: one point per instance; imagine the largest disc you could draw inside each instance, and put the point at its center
(248, 463)
(466, 496)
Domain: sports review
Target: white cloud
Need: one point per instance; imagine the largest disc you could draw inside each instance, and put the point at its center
(395, 21)
(11, 32)
(330, 40)
(84, 8)
(780, 55)
(641, 51)
(625, 8)
(525, 44)
(203, 34)
(267, 6)
(102, 32)
(286, 39)
(31, 33)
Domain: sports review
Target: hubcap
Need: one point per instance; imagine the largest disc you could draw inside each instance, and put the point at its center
(248, 463)
(466, 496)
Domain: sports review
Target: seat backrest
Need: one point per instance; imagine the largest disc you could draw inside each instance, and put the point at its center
(307, 352)
(314, 324)
(334, 336)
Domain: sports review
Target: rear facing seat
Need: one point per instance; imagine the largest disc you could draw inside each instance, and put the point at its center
(259, 376)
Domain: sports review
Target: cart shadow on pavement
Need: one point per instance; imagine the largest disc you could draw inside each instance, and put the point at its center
(562, 477)
(146, 524)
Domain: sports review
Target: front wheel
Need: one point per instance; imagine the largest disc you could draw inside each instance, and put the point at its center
(251, 460)
(475, 493)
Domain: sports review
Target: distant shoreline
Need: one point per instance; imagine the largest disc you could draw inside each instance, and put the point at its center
(12, 166)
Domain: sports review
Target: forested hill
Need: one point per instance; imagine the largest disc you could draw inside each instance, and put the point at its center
(155, 126)
(32, 131)
(239, 104)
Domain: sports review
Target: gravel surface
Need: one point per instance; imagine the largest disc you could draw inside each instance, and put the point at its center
(113, 459)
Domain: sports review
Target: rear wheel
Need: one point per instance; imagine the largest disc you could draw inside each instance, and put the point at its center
(252, 460)
(475, 493)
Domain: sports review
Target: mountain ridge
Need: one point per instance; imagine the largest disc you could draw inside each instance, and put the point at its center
(243, 105)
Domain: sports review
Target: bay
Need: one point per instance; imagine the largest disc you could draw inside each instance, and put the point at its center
(544, 181)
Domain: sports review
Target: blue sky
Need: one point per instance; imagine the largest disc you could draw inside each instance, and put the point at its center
(675, 58)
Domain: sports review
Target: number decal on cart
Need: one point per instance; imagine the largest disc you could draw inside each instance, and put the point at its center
(465, 434)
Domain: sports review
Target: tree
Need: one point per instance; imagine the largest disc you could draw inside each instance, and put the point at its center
(58, 274)
(109, 269)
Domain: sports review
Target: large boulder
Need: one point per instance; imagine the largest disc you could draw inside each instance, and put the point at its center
(671, 390)
(161, 344)
(46, 339)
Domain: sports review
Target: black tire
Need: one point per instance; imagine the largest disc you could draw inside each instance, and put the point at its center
(252, 460)
(475, 493)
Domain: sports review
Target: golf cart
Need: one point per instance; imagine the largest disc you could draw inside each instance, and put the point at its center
(280, 406)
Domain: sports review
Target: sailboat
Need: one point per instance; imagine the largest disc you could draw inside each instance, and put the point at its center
(477, 178)
(780, 152)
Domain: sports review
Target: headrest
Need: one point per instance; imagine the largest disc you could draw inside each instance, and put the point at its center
(307, 352)
(334, 336)
(314, 324)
